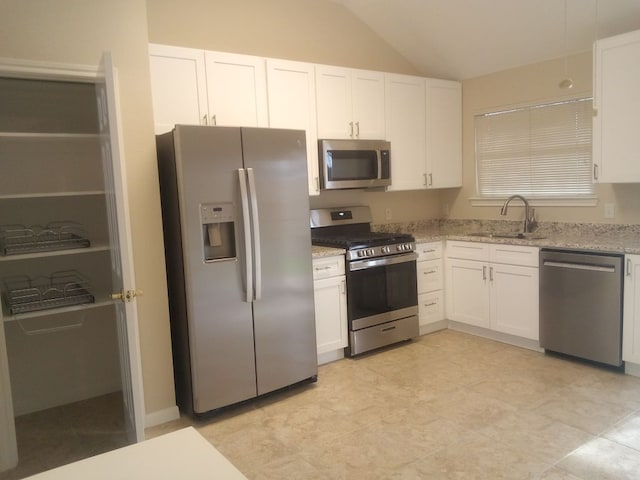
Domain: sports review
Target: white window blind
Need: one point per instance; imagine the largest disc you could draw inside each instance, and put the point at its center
(540, 152)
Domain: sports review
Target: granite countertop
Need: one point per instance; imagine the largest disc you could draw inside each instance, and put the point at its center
(612, 238)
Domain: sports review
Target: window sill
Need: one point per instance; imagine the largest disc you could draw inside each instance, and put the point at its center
(537, 202)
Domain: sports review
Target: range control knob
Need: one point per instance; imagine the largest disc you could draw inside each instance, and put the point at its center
(386, 250)
(370, 252)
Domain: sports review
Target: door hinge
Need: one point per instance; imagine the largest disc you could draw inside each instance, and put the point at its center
(127, 295)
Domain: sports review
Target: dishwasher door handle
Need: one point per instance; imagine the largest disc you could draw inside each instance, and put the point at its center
(580, 266)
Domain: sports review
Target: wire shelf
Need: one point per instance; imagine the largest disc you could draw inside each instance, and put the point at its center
(63, 235)
(61, 289)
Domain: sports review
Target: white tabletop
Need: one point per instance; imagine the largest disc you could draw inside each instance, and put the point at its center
(183, 454)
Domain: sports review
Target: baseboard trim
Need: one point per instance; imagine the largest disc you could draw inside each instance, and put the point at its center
(161, 416)
(433, 327)
(632, 369)
(497, 336)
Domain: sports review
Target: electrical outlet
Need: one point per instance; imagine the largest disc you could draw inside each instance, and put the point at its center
(609, 210)
(387, 213)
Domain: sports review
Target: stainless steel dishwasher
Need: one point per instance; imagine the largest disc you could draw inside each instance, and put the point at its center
(581, 304)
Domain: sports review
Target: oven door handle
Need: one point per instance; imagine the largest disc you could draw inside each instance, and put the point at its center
(382, 261)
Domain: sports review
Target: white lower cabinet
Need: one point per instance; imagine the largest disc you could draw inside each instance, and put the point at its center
(631, 322)
(493, 286)
(430, 283)
(330, 296)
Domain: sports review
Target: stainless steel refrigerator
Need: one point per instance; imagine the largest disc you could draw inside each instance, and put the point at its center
(235, 212)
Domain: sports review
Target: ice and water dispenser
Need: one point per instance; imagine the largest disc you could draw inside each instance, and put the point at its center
(218, 234)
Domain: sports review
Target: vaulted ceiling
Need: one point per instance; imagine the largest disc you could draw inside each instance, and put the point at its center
(460, 39)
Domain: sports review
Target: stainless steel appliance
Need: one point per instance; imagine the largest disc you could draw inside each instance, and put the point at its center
(354, 163)
(235, 214)
(382, 297)
(581, 304)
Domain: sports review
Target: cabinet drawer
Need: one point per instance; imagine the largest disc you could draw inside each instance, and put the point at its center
(429, 251)
(514, 255)
(328, 267)
(429, 275)
(430, 307)
(468, 250)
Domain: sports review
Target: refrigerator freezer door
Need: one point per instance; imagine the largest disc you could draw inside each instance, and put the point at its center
(284, 321)
(220, 327)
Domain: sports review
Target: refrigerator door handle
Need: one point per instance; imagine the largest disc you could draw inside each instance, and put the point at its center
(247, 234)
(257, 258)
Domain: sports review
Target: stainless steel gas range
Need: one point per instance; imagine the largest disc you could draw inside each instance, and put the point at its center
(382, 297)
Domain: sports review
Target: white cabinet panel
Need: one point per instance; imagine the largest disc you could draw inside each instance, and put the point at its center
(429, 275)
(631, 322)
(237, 90)
(494, 286)
(291, 89)
(444, 134)
(178, 86)
(330, 297)
(616, 143)
(406, 127)
(430, 307)
(350, 103)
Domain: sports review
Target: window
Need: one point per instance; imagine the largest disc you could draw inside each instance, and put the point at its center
(541, 152)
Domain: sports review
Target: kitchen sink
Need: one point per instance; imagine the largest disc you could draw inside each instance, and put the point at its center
(515, 235)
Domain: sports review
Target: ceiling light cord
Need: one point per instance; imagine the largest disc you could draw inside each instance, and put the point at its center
(566, 82)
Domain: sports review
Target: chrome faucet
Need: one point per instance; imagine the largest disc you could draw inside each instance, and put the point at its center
(529, 212)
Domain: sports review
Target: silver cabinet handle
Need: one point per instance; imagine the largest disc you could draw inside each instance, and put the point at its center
(351, 129)
(204, 120)
(424, 181)
(357, 129)
(247, 234)
(343, 287)
(255, 235)
(491, 274)
(595, 171)
(214, 120)
(430, 179)
(484, 272)
(430, 304)
(628, 267)
(317, 184)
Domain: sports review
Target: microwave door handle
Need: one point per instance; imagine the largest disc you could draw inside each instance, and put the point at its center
(379, 155)
(255, 231)
(248, 258)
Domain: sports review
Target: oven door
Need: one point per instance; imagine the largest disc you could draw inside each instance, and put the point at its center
(382, 289)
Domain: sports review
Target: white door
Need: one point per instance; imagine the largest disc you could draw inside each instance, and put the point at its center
(368, 104)
(514, 300)
(334, 103)
(123, 280)
(468, 292)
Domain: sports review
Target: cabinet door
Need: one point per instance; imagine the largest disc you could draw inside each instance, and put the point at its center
(331, 313)
(616, 143)
(444, 134)
(467, 287)
(367, 92)
(430, 307)
(429, 275)
(178, 86)
(406, 120)
(631, 322)
(514, 300)
(291, 90)
(334, 103)
(237, 90)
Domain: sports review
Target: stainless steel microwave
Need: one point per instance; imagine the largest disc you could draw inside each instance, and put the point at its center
(354, 164)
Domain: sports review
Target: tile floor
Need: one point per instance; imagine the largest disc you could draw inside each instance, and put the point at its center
(446, 406)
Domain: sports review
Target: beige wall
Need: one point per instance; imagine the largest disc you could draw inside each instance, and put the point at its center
(77, 32)
(529, 85)
(317, 31)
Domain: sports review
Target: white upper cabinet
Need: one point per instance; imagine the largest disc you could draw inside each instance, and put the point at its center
(178, 86)
(616, 143)
(424, 126)
(291, 88)
(194, 87)
(236, 89)
(406, 126)
(350, 103)
(444, 134)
